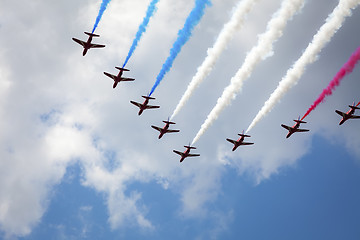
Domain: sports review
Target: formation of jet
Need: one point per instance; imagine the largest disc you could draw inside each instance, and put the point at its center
(165, 129)
(240, 141)
(186, 153)
(349, 114)
(144, 105)
(87, 45)
(119, 77)
(294, 128)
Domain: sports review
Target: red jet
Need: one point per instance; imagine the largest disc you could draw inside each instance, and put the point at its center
(144, 105)
(186, 153)
(349, 114)
(165, 129)
(118, 78)
(87, 45)
(240, 141)
(294, 128)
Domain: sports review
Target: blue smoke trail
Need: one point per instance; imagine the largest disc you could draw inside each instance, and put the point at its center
(101, 12)
(142, 28)
(183, 36)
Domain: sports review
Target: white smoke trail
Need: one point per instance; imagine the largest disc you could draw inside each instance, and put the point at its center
(263, 48)
(226, 34)
(323, 36)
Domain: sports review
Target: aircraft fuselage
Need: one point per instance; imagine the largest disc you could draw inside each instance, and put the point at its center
(143, 106)
(347, 115)
(293, 129)
(163, 130)
(118, 79)
(185, 154)
(87, 45)
(238, 143)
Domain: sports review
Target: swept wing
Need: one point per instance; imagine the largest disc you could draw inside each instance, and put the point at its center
(82, 43)
(93, 45)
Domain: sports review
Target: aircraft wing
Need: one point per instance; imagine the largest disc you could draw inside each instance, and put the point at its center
(286, 127)
(340, 113)
(246, 143)
(156, 128)
(193, 155)
(82, 43)
(177, 152)
(93, 45)
(127, 79)
(172, 131)
(149, 106)
(230, 140)
(302, 130)
(136, 103)
(110, 75)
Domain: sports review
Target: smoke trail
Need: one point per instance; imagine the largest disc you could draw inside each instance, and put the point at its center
(323, 36)
(257, 53)
(346, 69)
(220, 44)
(183, 36)
(101, 12)
(358, 104)
(142, 28)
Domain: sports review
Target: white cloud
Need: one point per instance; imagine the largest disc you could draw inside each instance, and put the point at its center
(58, 108)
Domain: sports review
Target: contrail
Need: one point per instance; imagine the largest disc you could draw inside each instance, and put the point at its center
(323, 36)
(183, 36)
(346, 69)
(101, 12)
(226, 34)
(142, 28)
(263, 48)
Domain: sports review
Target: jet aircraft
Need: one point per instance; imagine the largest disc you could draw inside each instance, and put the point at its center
(87, 45)
(294, 128)
(240, 141)
(186, 153)
(349, 114)
(165, 129)
(144, 105)
(118, 78)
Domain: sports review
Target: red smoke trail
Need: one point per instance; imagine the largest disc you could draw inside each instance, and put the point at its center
(347, 68)
(358, 104)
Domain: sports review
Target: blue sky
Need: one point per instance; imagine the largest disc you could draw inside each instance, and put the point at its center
(77, 162)
(317, 199)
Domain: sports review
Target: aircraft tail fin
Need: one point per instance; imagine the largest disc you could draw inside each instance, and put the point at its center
(299, 121)
(169, 122)
(148, 97)
(354, 107)
(122, 69)
(189, 147)
(243, 135)
(92, 34)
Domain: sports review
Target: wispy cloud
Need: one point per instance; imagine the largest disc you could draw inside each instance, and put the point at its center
(226, 34)
(183, 36)
(263, 48)
(320, 39)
